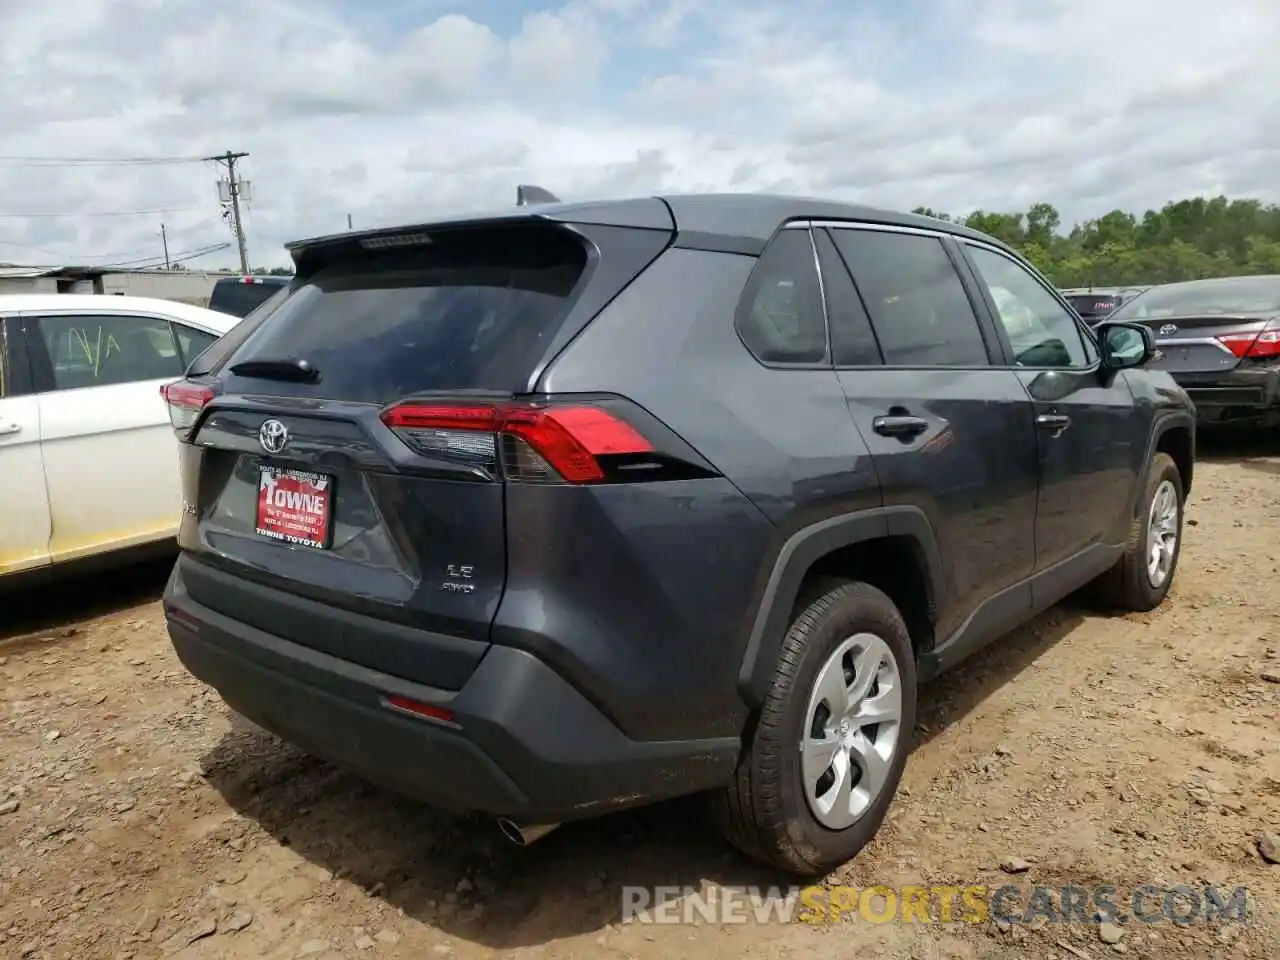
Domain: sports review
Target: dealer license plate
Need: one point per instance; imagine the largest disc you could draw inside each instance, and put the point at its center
(294, 506)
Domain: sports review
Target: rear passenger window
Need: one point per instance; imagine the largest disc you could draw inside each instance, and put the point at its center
(919, 309)
(853, 343)
(780, 318)
(97, 351)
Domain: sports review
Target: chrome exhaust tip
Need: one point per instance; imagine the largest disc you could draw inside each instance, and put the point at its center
(524, 834)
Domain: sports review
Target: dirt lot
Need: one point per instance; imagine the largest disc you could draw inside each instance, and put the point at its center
(138, 819)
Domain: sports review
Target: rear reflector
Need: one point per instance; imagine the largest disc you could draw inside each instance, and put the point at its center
(1254, 346)
(566, 439)
(185, 619)
(185, 400)
(430, 711)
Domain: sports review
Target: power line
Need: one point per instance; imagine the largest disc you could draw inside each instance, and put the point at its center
(122, 256)
(31, 246)
(55, 254)
(98, 213)
(145, 262)
(78, 259)
(97, 161)
(142, 263)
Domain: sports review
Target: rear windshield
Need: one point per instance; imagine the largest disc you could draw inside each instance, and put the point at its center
(1092, 305)
(1236, 295)
(475, 312)
(239, 298)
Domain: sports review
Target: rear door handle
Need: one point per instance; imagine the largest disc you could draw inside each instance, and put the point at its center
(899, 426)
(1055, 422)
(7, 428)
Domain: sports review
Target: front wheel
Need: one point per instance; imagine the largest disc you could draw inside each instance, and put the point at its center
(829, 746)
(1141, 578)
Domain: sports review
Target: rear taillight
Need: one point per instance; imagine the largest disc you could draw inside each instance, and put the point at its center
(185, 401)
(537, 443)
(1254, 346)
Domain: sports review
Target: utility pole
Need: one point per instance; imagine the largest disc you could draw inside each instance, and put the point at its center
(164, 238)
(348, 221)
(234, 185)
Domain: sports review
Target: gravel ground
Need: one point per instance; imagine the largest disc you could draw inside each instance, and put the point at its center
(139, 819)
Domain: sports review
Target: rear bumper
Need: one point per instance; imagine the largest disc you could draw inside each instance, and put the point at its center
(1238, 395)
(524, 743)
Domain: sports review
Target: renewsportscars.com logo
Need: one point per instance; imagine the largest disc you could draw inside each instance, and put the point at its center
(976, 903)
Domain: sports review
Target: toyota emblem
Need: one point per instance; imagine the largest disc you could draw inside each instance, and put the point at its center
(1168, 330)
(273, 435)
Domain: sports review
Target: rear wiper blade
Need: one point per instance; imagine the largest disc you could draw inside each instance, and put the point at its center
(293, 369)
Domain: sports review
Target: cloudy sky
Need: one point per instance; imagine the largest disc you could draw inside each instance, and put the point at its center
(393, 110)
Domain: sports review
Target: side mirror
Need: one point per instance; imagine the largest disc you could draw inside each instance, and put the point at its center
(1125, 345)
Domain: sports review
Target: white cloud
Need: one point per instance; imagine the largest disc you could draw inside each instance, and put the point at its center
(558, 47)
(955, 104)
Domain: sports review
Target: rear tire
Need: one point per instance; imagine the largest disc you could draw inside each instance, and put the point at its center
(1140, 580)
(847, 641)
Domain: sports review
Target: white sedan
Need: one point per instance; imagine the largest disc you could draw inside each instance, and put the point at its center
(88, 459)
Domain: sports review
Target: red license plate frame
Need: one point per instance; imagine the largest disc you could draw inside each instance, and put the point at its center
(294, 506)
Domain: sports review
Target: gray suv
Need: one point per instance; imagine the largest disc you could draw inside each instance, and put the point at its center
(573, 507)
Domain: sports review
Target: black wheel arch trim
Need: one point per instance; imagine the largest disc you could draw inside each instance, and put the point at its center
(1165, 422)
(797, 555)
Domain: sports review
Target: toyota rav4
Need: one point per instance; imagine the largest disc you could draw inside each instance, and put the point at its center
(574, 507)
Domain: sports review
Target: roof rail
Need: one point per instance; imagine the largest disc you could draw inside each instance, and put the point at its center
(527, 194)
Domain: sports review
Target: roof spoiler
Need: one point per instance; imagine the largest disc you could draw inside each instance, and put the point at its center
(527, 193)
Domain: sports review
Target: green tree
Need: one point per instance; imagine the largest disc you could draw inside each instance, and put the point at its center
(1184, 240)
(1042, 225)
(930, 212)
(1006, 227)
(1263, 254)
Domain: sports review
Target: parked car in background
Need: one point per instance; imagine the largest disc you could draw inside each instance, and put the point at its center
(240, 296)
(1219, 339)
(580, 506)
(88, 460)
(1093, 305)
